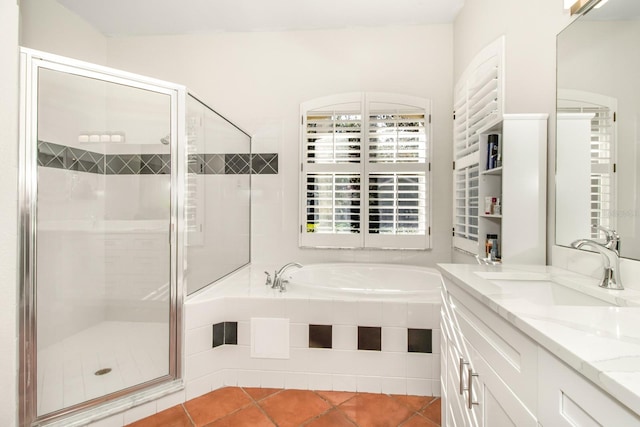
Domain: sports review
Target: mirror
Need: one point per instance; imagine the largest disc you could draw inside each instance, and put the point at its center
(598, 125)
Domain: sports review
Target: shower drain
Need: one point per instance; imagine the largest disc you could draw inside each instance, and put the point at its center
(103, 371)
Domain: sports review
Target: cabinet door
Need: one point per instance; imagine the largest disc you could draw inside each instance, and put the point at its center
(498, 405)
(567, 399)
(457, 413)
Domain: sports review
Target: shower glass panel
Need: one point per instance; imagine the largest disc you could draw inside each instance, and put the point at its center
(217, 200)
(103, 281)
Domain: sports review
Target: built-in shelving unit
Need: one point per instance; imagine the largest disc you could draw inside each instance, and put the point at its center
(517, 184)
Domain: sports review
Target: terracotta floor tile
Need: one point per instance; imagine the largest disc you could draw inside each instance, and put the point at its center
(433, 411)
(376, 410)
(336, 397)
(419, 421)
(217, 404)
(250, 416)
(260, 393)
(291, 408)
(414, 402)
(172, 417)
(333, 418)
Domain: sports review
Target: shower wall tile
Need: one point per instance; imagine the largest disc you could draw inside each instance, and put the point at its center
(235, 164)
(264, 164)
(214, 164)
(62, 157)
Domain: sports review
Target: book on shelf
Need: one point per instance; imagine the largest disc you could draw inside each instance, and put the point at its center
(494, 157)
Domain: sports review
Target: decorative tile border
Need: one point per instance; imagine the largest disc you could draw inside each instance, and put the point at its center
(62, 157)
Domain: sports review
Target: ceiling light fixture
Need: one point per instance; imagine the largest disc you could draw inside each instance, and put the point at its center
(581, 7)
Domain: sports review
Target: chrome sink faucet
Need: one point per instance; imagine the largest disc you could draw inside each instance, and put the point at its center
(610, 256)
(278, 282)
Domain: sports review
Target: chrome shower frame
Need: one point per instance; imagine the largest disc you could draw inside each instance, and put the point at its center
(31, 61)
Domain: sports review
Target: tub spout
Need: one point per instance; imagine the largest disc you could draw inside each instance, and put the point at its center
(278, 283)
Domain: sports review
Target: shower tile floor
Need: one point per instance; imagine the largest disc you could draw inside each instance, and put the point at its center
(135, 352)
(263, 407)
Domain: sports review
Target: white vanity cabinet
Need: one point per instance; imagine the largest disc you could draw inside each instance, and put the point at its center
(494, 375)
(490, 371)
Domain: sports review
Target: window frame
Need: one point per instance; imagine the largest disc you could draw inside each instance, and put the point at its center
(365, 168)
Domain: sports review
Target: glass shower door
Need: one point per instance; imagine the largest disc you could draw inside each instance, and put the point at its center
(104, 290)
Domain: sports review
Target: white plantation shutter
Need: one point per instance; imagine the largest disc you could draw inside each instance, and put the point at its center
(365, 172)
(478, 104)
(465, 223)
(333, 137)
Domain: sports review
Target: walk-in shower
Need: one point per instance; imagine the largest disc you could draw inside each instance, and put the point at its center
(133, 193)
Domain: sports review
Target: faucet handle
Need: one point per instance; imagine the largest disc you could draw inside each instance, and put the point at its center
(612, 238)
(268, 281)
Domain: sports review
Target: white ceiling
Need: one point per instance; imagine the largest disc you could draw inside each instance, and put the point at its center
(155, 17)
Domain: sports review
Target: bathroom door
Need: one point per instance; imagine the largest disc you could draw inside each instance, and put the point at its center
(100, 175)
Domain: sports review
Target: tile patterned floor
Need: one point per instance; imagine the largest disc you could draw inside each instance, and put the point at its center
(263, 407)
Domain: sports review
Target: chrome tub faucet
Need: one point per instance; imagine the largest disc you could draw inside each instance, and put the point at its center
(278, 282)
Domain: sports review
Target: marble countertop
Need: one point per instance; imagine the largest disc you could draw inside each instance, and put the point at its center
(600, 341)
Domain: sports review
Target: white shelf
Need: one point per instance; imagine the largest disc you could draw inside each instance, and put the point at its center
(494, 171)
(491, 216)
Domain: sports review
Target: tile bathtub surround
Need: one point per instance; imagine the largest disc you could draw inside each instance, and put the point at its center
(243, 296)
(256, 407)
(64, 157)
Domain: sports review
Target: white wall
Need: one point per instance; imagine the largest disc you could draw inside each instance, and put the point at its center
(48, 26)
(258, 81)
(530, 28)
(8, 210)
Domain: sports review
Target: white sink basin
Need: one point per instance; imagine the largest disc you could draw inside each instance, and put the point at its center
(536, 288)
(555, 294)
(512, 275)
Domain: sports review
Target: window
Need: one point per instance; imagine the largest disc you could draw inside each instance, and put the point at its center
(364, 177)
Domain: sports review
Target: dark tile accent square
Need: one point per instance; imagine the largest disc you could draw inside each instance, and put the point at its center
(195, 163)
(218, 334)
(51, 155)
(237, 164)
(264, 164)
(114, 165)
(132, 164)
(419, 341)
(369, 338)
(225, 333)
(155, 164)
(320, 336)
(214, 164)
(231, 333)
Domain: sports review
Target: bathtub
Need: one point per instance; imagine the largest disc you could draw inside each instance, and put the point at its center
(398, 305)
(380, 281)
